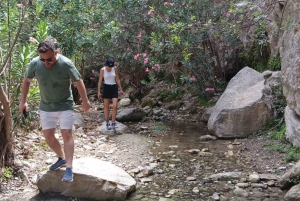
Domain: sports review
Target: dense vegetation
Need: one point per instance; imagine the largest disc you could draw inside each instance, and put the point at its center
(180, 42)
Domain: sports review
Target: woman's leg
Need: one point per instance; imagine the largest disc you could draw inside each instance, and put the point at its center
(115, 108)
(106, 109)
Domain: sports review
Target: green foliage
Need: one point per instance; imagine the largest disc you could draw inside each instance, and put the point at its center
(276, 147)
(295, 180)
(274, 63)
(279, 134)
(256, 57)
(177, 41)
(7, 173)
(172, 93)
(206, 103)
(160, 127)
(293, 154)
(279, 100)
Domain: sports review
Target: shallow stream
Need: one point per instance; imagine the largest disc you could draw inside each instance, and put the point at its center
(182, 173)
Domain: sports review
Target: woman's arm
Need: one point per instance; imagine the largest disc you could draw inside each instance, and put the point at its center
(100, 82)
(118, 80)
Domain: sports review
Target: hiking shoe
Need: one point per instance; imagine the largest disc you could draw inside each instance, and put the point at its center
(59, 163)
(68, 176)
(114, 125)
(108, 126)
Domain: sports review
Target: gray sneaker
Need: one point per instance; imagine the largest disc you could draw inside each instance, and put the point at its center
(68, 176)
(108, 126)
(114, 125)
(59, 163)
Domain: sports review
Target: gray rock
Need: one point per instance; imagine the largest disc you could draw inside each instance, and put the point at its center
(235, 114)
(93, 179)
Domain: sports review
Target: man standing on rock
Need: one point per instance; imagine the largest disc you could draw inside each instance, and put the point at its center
(54, 73)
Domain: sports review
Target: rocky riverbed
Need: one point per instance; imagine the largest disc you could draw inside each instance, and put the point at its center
(170, 160)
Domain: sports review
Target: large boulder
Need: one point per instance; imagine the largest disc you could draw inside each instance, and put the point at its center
(244, 107)
(289, 54)
(292, 121)
(93, 179)
(289, 178)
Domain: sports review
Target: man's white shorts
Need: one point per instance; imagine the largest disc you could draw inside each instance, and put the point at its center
(49, 119)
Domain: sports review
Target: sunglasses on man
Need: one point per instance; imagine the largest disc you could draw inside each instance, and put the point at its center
(49, 60)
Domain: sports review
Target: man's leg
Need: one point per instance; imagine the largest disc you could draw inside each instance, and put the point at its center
(66, 120)
(49, 121)
(68, 146)
(53, 143)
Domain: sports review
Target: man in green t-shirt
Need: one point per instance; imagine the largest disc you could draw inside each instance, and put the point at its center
(54, 73)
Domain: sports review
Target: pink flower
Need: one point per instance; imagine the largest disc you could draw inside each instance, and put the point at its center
(228, 14)
(167, 19)
(147, 70)
(193, 78)
(146, 60)
(137, 56)
(140, 35)
(149, 12)
(26, 15)
(91, 78)
(209, 89)
(96, 25)
(144, 54)
(172, 4)
(20, 5)
(93, 70)
(155, 66)
(166, 3)
(31, 39)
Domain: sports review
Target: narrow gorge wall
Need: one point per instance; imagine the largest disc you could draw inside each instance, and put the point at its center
(289, 44)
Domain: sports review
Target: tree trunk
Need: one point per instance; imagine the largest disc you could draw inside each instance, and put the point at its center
(6, 137)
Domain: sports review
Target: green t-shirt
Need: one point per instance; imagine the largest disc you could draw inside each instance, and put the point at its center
(54, 83)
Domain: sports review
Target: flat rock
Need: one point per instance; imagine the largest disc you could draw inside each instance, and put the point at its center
(93, 179)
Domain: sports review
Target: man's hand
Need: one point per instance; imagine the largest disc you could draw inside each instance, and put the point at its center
(22, 107)
(86, 106)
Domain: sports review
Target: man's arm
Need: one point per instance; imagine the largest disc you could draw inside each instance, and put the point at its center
(25, 88)
(82, 92)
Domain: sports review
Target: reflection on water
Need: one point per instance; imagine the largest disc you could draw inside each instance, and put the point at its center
(187, 136)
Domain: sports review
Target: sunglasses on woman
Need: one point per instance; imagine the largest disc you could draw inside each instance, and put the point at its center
(49, 60)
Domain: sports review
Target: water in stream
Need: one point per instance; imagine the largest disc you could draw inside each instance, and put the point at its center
(182, 175)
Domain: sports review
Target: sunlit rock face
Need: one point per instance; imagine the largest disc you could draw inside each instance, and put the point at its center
(244, 107)
(290, 57)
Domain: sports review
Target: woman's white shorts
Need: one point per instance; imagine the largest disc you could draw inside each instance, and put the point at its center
(49, 119)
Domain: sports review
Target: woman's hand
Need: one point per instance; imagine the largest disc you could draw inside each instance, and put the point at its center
(99, 95)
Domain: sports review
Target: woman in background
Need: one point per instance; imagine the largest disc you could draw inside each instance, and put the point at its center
(111, 85)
